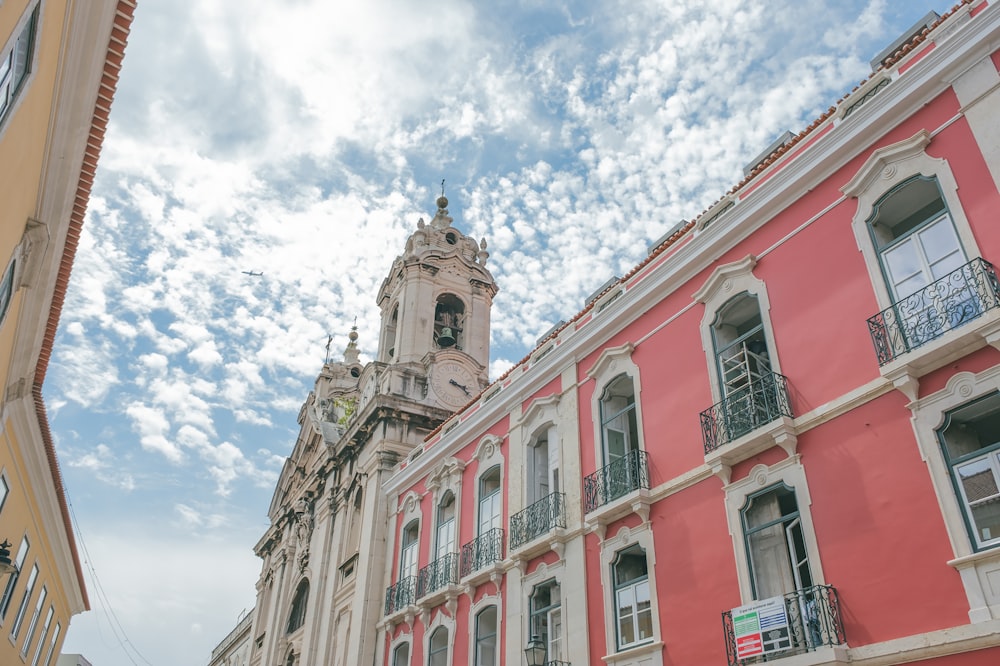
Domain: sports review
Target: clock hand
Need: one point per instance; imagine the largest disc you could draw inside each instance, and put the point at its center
(454, 383)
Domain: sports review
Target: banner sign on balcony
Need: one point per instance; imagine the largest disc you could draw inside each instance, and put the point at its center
(761, 628)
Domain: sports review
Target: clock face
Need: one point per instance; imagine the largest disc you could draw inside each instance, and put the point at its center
(453, 384)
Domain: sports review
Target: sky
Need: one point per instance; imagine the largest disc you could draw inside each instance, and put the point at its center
(303, 139)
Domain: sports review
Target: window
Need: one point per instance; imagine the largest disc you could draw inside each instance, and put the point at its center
(970, 440)
(446, 525)
(618, 419)
(22, 553)
(297, 616)
(489, 500)
(741, 349)
(6, 294)
(915, 237)
(34, 620)
(401, 655)
(408, 554)
(389, 333)
(543, 467)
(546, 619)
(23, 607)
(776, 548)
(633, 610)
(437, 652)
(44, 636)
(16, 64)
(52, 646)
(486, 637)
(4, 488)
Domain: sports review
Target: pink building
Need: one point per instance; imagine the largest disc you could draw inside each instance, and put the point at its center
(777, 438)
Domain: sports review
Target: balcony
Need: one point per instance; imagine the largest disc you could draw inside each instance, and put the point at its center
(540, 518)
(439, 574)
(744, 410)
(628, 473)
(944, 305)
(484, 550)
(401, 595)
(814, 624)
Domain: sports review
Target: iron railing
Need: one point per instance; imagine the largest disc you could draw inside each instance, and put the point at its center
(943, 305)
(744, 410)
(400, 595)
(482, 551)
(814, 620)
(615, 480)
(440, 573)
(538, 519)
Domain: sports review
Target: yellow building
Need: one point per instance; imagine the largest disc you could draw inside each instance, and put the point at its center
(59, 67)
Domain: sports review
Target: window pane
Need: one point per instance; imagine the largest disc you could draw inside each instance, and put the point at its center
(626, 608)
(906, 272)
(939, 242)
(644, 611)
(979, 483)
(401, 657)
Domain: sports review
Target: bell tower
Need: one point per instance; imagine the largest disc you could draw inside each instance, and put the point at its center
(435, 303)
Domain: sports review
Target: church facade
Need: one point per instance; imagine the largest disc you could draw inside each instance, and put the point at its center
(777, 438)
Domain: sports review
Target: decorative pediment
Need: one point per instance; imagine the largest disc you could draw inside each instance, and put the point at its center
(882, 164)
(723, 274)
(609, 359)
(541, 411)
(488, 447)
(446, 475)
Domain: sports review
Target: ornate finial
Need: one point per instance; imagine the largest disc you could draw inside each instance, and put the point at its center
(352, 352)
(442, 202)
(353, 335)
(329, 339)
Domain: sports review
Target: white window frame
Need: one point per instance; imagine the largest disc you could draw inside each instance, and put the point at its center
(558, 638)
(977, 568)
(477, 640)
(440, 620)
(648, 652)
(725, 283)
(405, 640)
(446, 478)
(474, 610)
(886, 168)
(489, 456)
(45, 635)
(409, 553)
(445, 531)
(609, 366)
(791, 473)
(17, 92)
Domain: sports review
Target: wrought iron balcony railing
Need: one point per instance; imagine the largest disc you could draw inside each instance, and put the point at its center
(538, 519)
(440, 573)
(745, 410)
(814, 621)
(482, 551)
(400, 595)
(943, 305)
(615, 480)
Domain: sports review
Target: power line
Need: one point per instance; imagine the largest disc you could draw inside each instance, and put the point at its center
(116, 626)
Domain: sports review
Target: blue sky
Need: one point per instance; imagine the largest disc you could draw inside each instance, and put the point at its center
(304, 139)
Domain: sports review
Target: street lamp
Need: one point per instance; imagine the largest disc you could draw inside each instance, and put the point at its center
(535, 652)
(6, 566)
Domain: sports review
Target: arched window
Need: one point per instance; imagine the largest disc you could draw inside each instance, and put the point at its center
(408, 554)
(490, 500)
(437, 649)
(741, 349)
(389, 336)
(445, 537)
(619, 425)
(915, 237)
(297, 616)
(633, 611)
(401, 655)
(486, 637)
(776, 548)
(543, 467)
(546, 618)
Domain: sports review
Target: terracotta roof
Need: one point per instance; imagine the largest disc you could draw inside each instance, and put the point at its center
(99, 123)
(784, 149)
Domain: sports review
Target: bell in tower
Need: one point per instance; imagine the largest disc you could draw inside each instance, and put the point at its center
(435, 306)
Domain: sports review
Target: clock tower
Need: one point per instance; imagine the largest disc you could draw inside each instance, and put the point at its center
(324, 554)
(435, 303)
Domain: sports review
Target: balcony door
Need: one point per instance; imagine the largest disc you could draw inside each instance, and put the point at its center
(445, 538)
(490, 503)
(408, 553)
(779, 562)
(543, 467)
